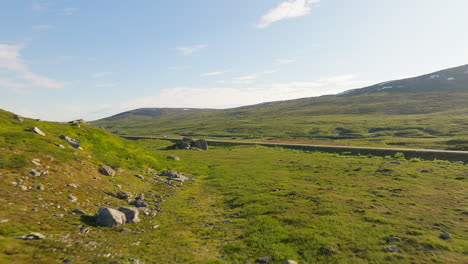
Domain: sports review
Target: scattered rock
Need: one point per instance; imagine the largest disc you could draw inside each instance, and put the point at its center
(39, 186)
(58, 215)
(445, 236)
(173, 157)
(201, 144)
(139, 176)
(393, 239)
(289, 261)
(126, 230)
(23, 188)
(131, 214)
(34, 172)
(78, 121)
(264, 259)
(3, 221)
(155, 227)
(79, 212)
(72, 198)
(139, 203)
(36, 162)
(385, 170)
(123, 195)
(72, 185)
(393, 248)
(38, 131)
(19, 118)
(227, 221)
(109, 217)
(107, 170)
(73, 142)
(32, 236)
(60, 146)
(174, 175)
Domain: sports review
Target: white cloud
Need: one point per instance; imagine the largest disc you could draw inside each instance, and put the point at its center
(39, 28)
(100, 74)
(38, 6)
(185, 51)
(211, 73)
(247, 79)
(286, 10)
(11, 61)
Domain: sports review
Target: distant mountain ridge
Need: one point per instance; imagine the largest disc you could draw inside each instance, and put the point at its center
(431, 107)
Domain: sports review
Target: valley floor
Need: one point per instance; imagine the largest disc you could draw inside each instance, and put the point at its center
(249, 202)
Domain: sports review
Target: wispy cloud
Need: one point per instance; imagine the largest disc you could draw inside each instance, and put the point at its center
(100, 74)
(38, 6)
(39, 28)
(185, 51)
(246, 79)
(212, 73)
(68, 11)
(11, 61)
(287, 10)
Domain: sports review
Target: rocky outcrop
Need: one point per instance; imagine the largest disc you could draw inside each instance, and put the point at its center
(109, 217)
(32, 236)
(174, 175)
(106, 170)
(73, 142)
(189, 144)
(131, 214)
(201, 144)
(38, 131)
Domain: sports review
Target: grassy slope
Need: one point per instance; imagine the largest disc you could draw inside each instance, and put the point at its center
(428, 120)
(311, 207)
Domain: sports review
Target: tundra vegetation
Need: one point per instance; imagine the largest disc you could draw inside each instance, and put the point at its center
(241, 204)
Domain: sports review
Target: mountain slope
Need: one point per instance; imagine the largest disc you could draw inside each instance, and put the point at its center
(425, 111)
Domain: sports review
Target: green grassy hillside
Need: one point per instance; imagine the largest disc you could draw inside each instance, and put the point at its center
(425, 112)
(245, 202)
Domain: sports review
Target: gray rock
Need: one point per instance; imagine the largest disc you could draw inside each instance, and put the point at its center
(445, 236)
(73, 142)
(174, 175)
(23, 188)
(3, 221)
(60, 146)
(131, 214)
(393, 239)
(201, 144)
(36, 162)
(32, 236)
(155, 227)
(289, 261)
(119, 170)
(58, 215)
(107, 170)
(393, 249)
(19, 118)
(123, 195)
(38, 131)
(139, 203)
(264, 259)
(39, 186)
(72, 198)
(109, 217)
(79, 212)
(173, 157)
(78, 121)
(139, 176)
(72, 185)
(126, 230)
(34, 172)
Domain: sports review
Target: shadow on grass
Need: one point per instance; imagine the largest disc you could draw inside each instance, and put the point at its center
(88, 220)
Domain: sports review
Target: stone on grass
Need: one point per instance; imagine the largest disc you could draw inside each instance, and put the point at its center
(72, 198)
(445, 236)
(38, 131)
(131, 214)
(73, 142)
(19, 118)
(264, 259)
(72, 185)
(3, 221)
(139, 203)
(109, 217)
(173, 157)
(32, 236)
(107, 170)
(139, 176)
(393, 239)
(289, 261)
(201, 144)
(36, 162)
(39, 186)
(174, 175)
(123, 195)
(78, 212)
(60, 146)
(393, 249)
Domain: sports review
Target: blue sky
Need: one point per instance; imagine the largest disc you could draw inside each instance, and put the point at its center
(62, 60)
